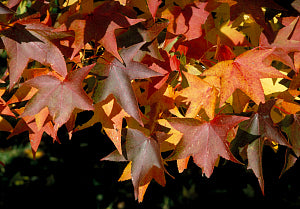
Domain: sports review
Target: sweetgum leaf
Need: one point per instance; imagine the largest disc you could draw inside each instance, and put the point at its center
(254, 155)
(144, 152)
(32, 40)
(244, 73)
(204, 141)
(283, 45)
(261, 124)
(5, 10)
(118, 81)
(61, 97)
(200, 94)
(87, 27)
(187, 21)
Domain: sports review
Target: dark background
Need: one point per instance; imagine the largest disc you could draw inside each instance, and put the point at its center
(70, 175)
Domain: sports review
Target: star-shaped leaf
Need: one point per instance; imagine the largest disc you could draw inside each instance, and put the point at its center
(187, 21)
(27, 40)
(244, 73)
(204, 141)
(118, 81)
(36, 126)
(199, 94)
(144, 152)
(283, 45)
(87, 27)
(261, 124)
(60, 96)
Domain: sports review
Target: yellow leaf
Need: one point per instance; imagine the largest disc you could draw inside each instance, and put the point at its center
(182, 164)
(41, 117)
(126, 175)
(174, 138)
(270, 87)
(231, 33)
(199, 94)
(69, 3)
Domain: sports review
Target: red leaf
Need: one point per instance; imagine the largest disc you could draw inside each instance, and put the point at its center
(244, 73)
(282, 45)
(187, 21)
(5, 10)
(61, 97)
(261, 124)
(36, 126)
(32, 40)
(153, 6)
(87, 27)
(119, 79)
(254, 154)
(204, 141)
(12, 3)
(144, 152)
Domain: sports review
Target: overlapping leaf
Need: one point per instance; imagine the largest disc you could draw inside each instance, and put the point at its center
(244, 73)
(60, 96)
(177, 64)
(118, 81)
(87, 27)
(27, 40)
(144, 152)
(205, 141)
(261, 124)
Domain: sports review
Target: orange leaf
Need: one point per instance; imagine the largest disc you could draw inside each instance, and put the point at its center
(199, 94)
(244, 73)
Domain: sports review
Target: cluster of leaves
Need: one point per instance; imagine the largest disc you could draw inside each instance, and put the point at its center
(206, 79)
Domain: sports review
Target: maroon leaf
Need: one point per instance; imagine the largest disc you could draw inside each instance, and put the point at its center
(87, 27)
(119, 79)
(144, 152)
(32, 40)
(261, 124)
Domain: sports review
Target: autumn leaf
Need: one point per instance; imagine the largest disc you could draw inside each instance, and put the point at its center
(283, 45)
(261, 124)
(291, 126)
(170, 78)
(148, 8)
(61, 97)
(199, 94)
(144, 32)
(144, 152)
(244, 73)
(27, 40)
(118, 81)
(204, 141)
(254, 8)
(111, 115)
(87, 27)
(187, 21)
(36, 126)
(5, 10)
(254, 155)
